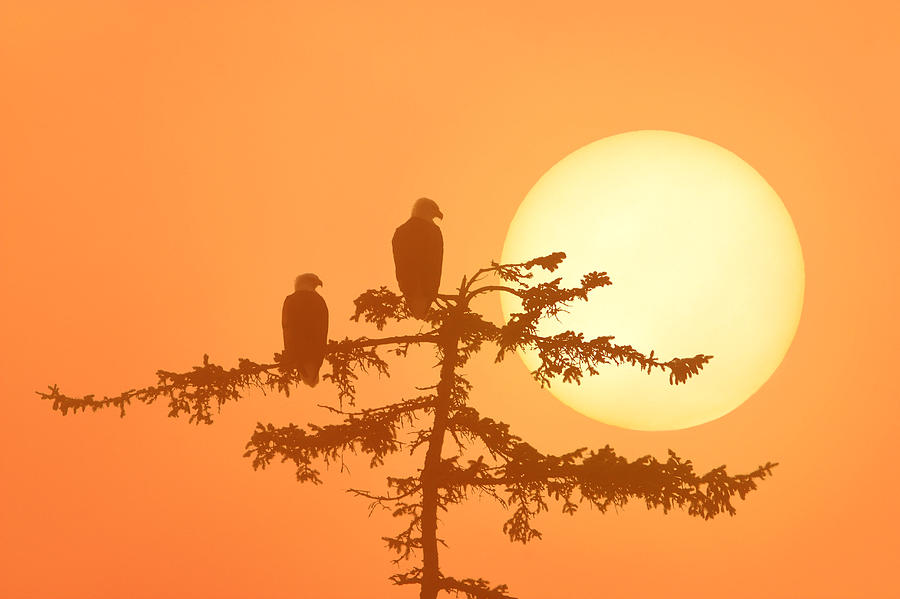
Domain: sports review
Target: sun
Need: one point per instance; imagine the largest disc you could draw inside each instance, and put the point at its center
(703, 257)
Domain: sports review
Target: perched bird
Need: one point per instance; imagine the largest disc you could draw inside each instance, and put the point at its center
(304, 321)
(418, 256)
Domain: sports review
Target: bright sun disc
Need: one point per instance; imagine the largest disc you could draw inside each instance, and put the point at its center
(703, 257)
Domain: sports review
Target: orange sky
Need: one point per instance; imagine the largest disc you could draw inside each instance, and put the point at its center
(166, 168)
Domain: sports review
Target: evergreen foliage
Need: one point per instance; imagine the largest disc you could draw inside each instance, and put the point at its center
(481, 455)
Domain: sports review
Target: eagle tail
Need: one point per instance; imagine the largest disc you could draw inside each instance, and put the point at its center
(419, 305)
(309, 374)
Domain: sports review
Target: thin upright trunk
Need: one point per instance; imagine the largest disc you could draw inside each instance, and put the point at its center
(430, 571)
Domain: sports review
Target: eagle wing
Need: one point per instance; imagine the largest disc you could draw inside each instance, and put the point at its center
(418, 257)
(304, 322)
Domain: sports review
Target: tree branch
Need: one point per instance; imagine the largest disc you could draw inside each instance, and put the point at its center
(372, 432)
(209, 386)
(517, 475)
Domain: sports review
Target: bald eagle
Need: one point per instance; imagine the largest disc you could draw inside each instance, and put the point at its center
(304, 321)
(418, 256)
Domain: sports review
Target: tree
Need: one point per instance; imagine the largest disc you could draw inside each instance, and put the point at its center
(486, 457)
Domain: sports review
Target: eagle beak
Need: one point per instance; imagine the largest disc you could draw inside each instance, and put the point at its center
(440, 215)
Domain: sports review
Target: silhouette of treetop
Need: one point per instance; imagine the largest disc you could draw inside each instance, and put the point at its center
(482, 456)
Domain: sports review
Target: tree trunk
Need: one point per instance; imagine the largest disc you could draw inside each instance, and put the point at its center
(430, 472)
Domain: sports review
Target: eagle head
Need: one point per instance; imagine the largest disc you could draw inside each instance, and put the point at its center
(307, 282)
(426, 209)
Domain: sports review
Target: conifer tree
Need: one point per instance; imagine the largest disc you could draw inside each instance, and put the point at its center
(462, 452)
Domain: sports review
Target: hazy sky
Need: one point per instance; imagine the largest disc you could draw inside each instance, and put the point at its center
(167, 168)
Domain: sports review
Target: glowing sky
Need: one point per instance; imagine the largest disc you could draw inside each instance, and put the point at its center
(167, 168)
